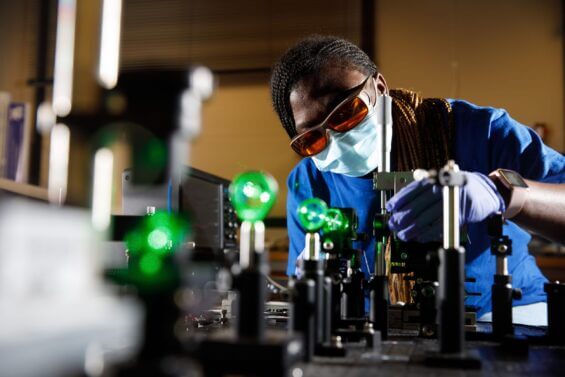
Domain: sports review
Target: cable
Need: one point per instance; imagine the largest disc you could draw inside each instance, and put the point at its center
(280, 287)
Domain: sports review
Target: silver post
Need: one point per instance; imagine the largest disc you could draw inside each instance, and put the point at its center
(200, 88)
(384, 130)
(451, 292)
(251, 241)
(312, 247)
(502, 260)
(451, 211)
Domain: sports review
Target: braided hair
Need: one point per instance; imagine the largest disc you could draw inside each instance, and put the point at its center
(306, 57)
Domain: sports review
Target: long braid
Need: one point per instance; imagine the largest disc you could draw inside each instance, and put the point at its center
(423, 131)
(422, 138)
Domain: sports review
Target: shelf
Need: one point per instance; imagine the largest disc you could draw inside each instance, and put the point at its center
(23, 189)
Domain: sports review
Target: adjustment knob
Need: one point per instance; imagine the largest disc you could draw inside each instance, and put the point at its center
(517, 294)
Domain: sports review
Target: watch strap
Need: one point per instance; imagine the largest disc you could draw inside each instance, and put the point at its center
(514, 196)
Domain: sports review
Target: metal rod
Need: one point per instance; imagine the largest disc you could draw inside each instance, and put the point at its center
(245, 241)
(40, 75)
(451, 293)
(501, 265)
(384, 130)
(312, 244)
(380, 263)
(251, 243)
(451, 211)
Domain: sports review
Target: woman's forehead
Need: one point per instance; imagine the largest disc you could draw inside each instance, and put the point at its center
(312, 96)
(328, 80)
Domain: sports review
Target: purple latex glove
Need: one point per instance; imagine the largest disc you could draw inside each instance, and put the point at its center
(417, 208)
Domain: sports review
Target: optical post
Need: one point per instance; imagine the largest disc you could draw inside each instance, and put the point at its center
(343, 266)
(451, 293)
(378, 285)
(502, 292)
(253, 194)
(312, 216)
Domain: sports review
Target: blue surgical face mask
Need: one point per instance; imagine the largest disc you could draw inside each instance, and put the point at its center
(354, 153)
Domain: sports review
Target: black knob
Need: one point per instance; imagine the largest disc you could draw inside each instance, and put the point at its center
(517, 294)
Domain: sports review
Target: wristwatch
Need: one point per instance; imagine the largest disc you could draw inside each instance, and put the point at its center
(513, 189)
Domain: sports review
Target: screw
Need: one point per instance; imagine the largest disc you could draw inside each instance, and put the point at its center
(427, 331)
(336, 341)
(427, 291)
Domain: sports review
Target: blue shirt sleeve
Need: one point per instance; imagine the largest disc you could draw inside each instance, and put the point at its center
(487, 139)
(517, 147)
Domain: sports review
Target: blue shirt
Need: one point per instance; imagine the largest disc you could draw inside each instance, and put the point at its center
(486, 139)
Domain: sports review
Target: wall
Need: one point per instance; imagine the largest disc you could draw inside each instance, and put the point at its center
(241, 132)
(17, 27)
(503, 53)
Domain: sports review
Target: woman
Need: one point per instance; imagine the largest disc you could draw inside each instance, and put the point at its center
(324, 90)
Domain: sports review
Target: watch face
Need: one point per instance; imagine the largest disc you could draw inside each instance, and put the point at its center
(513, 178)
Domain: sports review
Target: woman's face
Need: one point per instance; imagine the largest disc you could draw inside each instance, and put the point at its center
(315, 96)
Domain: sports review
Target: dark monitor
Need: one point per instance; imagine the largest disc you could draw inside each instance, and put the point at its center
(201, 195)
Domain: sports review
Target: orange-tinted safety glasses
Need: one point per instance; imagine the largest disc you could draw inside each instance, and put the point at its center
(344, 117)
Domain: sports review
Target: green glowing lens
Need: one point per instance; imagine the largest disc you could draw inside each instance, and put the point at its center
(253, 194)
(336, 221)
(150, 264)
(159, 239)
(154, 238)
(164, 230)
(378, 224)
(312, 214)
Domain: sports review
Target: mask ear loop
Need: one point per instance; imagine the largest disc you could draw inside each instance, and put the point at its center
(376, 91)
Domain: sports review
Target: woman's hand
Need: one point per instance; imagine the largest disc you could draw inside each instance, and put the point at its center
(417, 208)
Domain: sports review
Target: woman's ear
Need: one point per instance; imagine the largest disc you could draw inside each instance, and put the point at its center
(382, 86)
